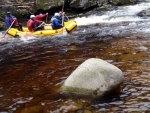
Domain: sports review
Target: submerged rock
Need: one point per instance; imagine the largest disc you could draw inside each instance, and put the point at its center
(94, 77)
(144, 13)
(34, 109)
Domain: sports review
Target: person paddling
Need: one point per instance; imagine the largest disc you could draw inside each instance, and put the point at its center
(9, 19)
(34, 24)
(41, 16)
(61, 16)
(55, 21)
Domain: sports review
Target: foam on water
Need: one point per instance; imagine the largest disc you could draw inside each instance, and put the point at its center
(27, 38)
(119, 14)
(122, 14)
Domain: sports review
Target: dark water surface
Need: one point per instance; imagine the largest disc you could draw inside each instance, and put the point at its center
(32, 70)
(31, 75)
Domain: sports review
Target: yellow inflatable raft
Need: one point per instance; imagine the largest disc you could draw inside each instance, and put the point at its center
(48, 31)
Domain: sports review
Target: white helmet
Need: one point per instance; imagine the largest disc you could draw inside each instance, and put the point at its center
(56, 14)
(32, 16)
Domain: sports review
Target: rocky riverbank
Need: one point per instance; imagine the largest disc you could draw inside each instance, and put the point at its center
(23, 8)
(20, 10)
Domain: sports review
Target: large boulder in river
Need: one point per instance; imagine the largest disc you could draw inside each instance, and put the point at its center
(94, 77)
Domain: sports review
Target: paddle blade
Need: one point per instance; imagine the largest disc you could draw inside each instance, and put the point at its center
(3, 36)
(27, 35)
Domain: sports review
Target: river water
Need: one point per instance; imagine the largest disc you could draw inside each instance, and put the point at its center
(33, 68)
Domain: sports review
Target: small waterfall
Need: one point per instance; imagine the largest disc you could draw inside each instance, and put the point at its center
(121, 14)
(118, 16)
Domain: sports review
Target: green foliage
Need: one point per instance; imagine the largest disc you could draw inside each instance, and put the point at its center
(1, 19)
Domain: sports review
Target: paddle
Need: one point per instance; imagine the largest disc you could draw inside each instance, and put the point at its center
(63, 15)
(8, 28)
(30, 33)
(41, 24)
(48, 24)
(46, 17)
(39, 27)
(66, 17)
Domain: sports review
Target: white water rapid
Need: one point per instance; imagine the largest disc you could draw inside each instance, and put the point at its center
(121, 14)
(117, 15)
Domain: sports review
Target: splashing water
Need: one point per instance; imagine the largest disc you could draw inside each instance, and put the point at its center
(122, 14)
(27, 39)
(32, 72)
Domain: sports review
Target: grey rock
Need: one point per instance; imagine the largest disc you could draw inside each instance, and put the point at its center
(94, 77)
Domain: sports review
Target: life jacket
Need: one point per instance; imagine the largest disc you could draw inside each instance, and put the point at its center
(33, 24)
(52, 19)
(30, 25)
(12, 19)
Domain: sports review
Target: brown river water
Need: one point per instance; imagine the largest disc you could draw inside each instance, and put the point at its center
(32, 71)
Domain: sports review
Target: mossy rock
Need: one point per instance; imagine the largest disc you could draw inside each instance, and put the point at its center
(122, 2)
(47, 4)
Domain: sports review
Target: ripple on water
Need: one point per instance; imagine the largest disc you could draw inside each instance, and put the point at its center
(34, 69)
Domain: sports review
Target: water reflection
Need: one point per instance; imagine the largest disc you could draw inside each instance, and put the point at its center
(31, 78)
(32, 70)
